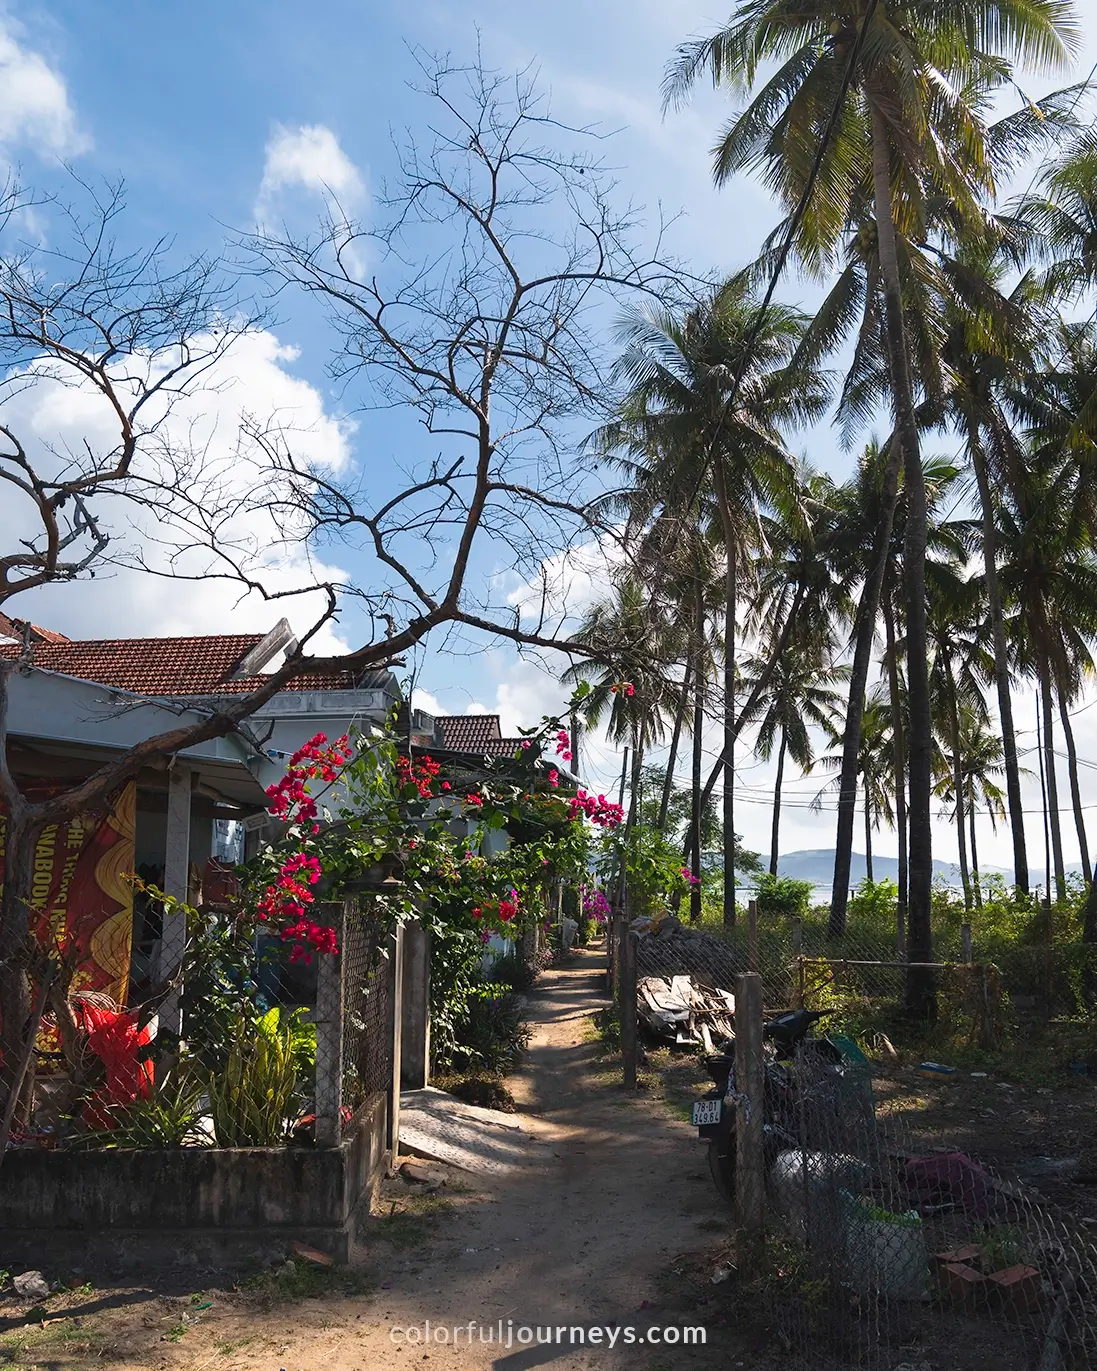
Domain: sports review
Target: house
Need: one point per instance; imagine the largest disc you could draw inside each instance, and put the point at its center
(74, 703)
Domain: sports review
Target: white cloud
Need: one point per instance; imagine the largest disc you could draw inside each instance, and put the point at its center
(307, 157)
(34, 103)
(423, 699)
(250, 381)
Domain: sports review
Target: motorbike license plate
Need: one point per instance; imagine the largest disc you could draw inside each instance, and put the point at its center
(706, 1112)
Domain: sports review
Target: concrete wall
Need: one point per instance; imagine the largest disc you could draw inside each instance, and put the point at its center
(190, 1205)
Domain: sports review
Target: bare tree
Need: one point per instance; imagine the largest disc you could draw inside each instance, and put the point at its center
(477, 304)
(478, 300)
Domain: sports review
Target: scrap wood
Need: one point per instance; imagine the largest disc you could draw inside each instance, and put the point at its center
(687, 1009)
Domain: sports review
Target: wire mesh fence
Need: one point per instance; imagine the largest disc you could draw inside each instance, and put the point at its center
(899, 1220)
(886, 1246)
(366, 969)
(267, 1052)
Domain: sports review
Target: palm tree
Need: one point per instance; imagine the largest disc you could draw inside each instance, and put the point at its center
(911, 130)
(799, 697)
(971, 784)
(1050, 575)
(699, 430)
(629, 636)
(874, 769)
(960, 665)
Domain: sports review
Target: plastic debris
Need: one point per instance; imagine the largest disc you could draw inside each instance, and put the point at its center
(32, 1284)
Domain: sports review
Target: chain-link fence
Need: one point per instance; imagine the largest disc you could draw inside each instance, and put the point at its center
(272, 1052)
(367, 970)
(886, 1211)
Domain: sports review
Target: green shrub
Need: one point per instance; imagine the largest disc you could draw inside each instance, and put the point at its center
(782, 895)
(875, 902)
(253, 1101)
(167, 1117)
(491, 1036)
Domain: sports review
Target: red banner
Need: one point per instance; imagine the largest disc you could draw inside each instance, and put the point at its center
(81, 893)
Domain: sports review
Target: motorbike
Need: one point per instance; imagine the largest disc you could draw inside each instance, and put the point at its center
(796, 1066)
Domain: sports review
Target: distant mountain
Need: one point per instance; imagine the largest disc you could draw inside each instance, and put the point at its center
(817, 866)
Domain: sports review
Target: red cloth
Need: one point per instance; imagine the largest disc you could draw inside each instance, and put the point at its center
(114, 1039)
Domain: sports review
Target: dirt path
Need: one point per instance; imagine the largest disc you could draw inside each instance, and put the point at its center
(584, 1233)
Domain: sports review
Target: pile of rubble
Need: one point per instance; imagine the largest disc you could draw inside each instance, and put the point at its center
(667, 947)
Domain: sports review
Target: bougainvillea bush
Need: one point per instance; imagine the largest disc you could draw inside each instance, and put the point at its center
(365, 804)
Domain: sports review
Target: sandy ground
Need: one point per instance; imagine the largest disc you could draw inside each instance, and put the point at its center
(612, 1198)
(609, 1222)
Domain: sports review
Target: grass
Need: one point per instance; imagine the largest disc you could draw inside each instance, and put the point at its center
(410, 1221)
(53, 1341)
(305, 1282)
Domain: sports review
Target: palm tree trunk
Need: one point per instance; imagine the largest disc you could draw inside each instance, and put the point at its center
(977, 889)
(1043, 800)
(698, 731)
(635, 779)
(958, 783)
(730, 595)
(675, 739)
(729, 745)
(920, 988)
(899, 755)
(773, 843)
(1052, 783)
(961, 831)
(1001, 671)
(851, 741)
(1075, 789)
(868, 832)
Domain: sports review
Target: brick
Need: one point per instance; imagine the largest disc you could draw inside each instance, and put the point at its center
(960, 1281)
(1020, 1285)
(969, 1254)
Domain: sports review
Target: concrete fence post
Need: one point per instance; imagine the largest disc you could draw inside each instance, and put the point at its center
(752, 935)
(173, 933)
(798, 955)
(750, 1174)
(329, 1033)
(394, 1028)
(627, 991)
(415, 1049)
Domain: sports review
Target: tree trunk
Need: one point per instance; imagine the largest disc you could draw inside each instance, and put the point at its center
(1075, 789)
(855, 702)
(675, 739)
(16, 947)
(1043, 799)
(958, 783)
(977, 889)
(635, 780)
(1001, 671)
(730, 597)
(773, 842)
(899, 762)
(868, 832)
(920, 986)
(729, 745)
(1047, 709)
(698, 731)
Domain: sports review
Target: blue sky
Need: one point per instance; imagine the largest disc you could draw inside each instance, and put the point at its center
(214, 113)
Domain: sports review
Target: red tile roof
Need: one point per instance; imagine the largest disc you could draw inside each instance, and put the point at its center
(15, 628)
(469, 732)
(167, 666)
